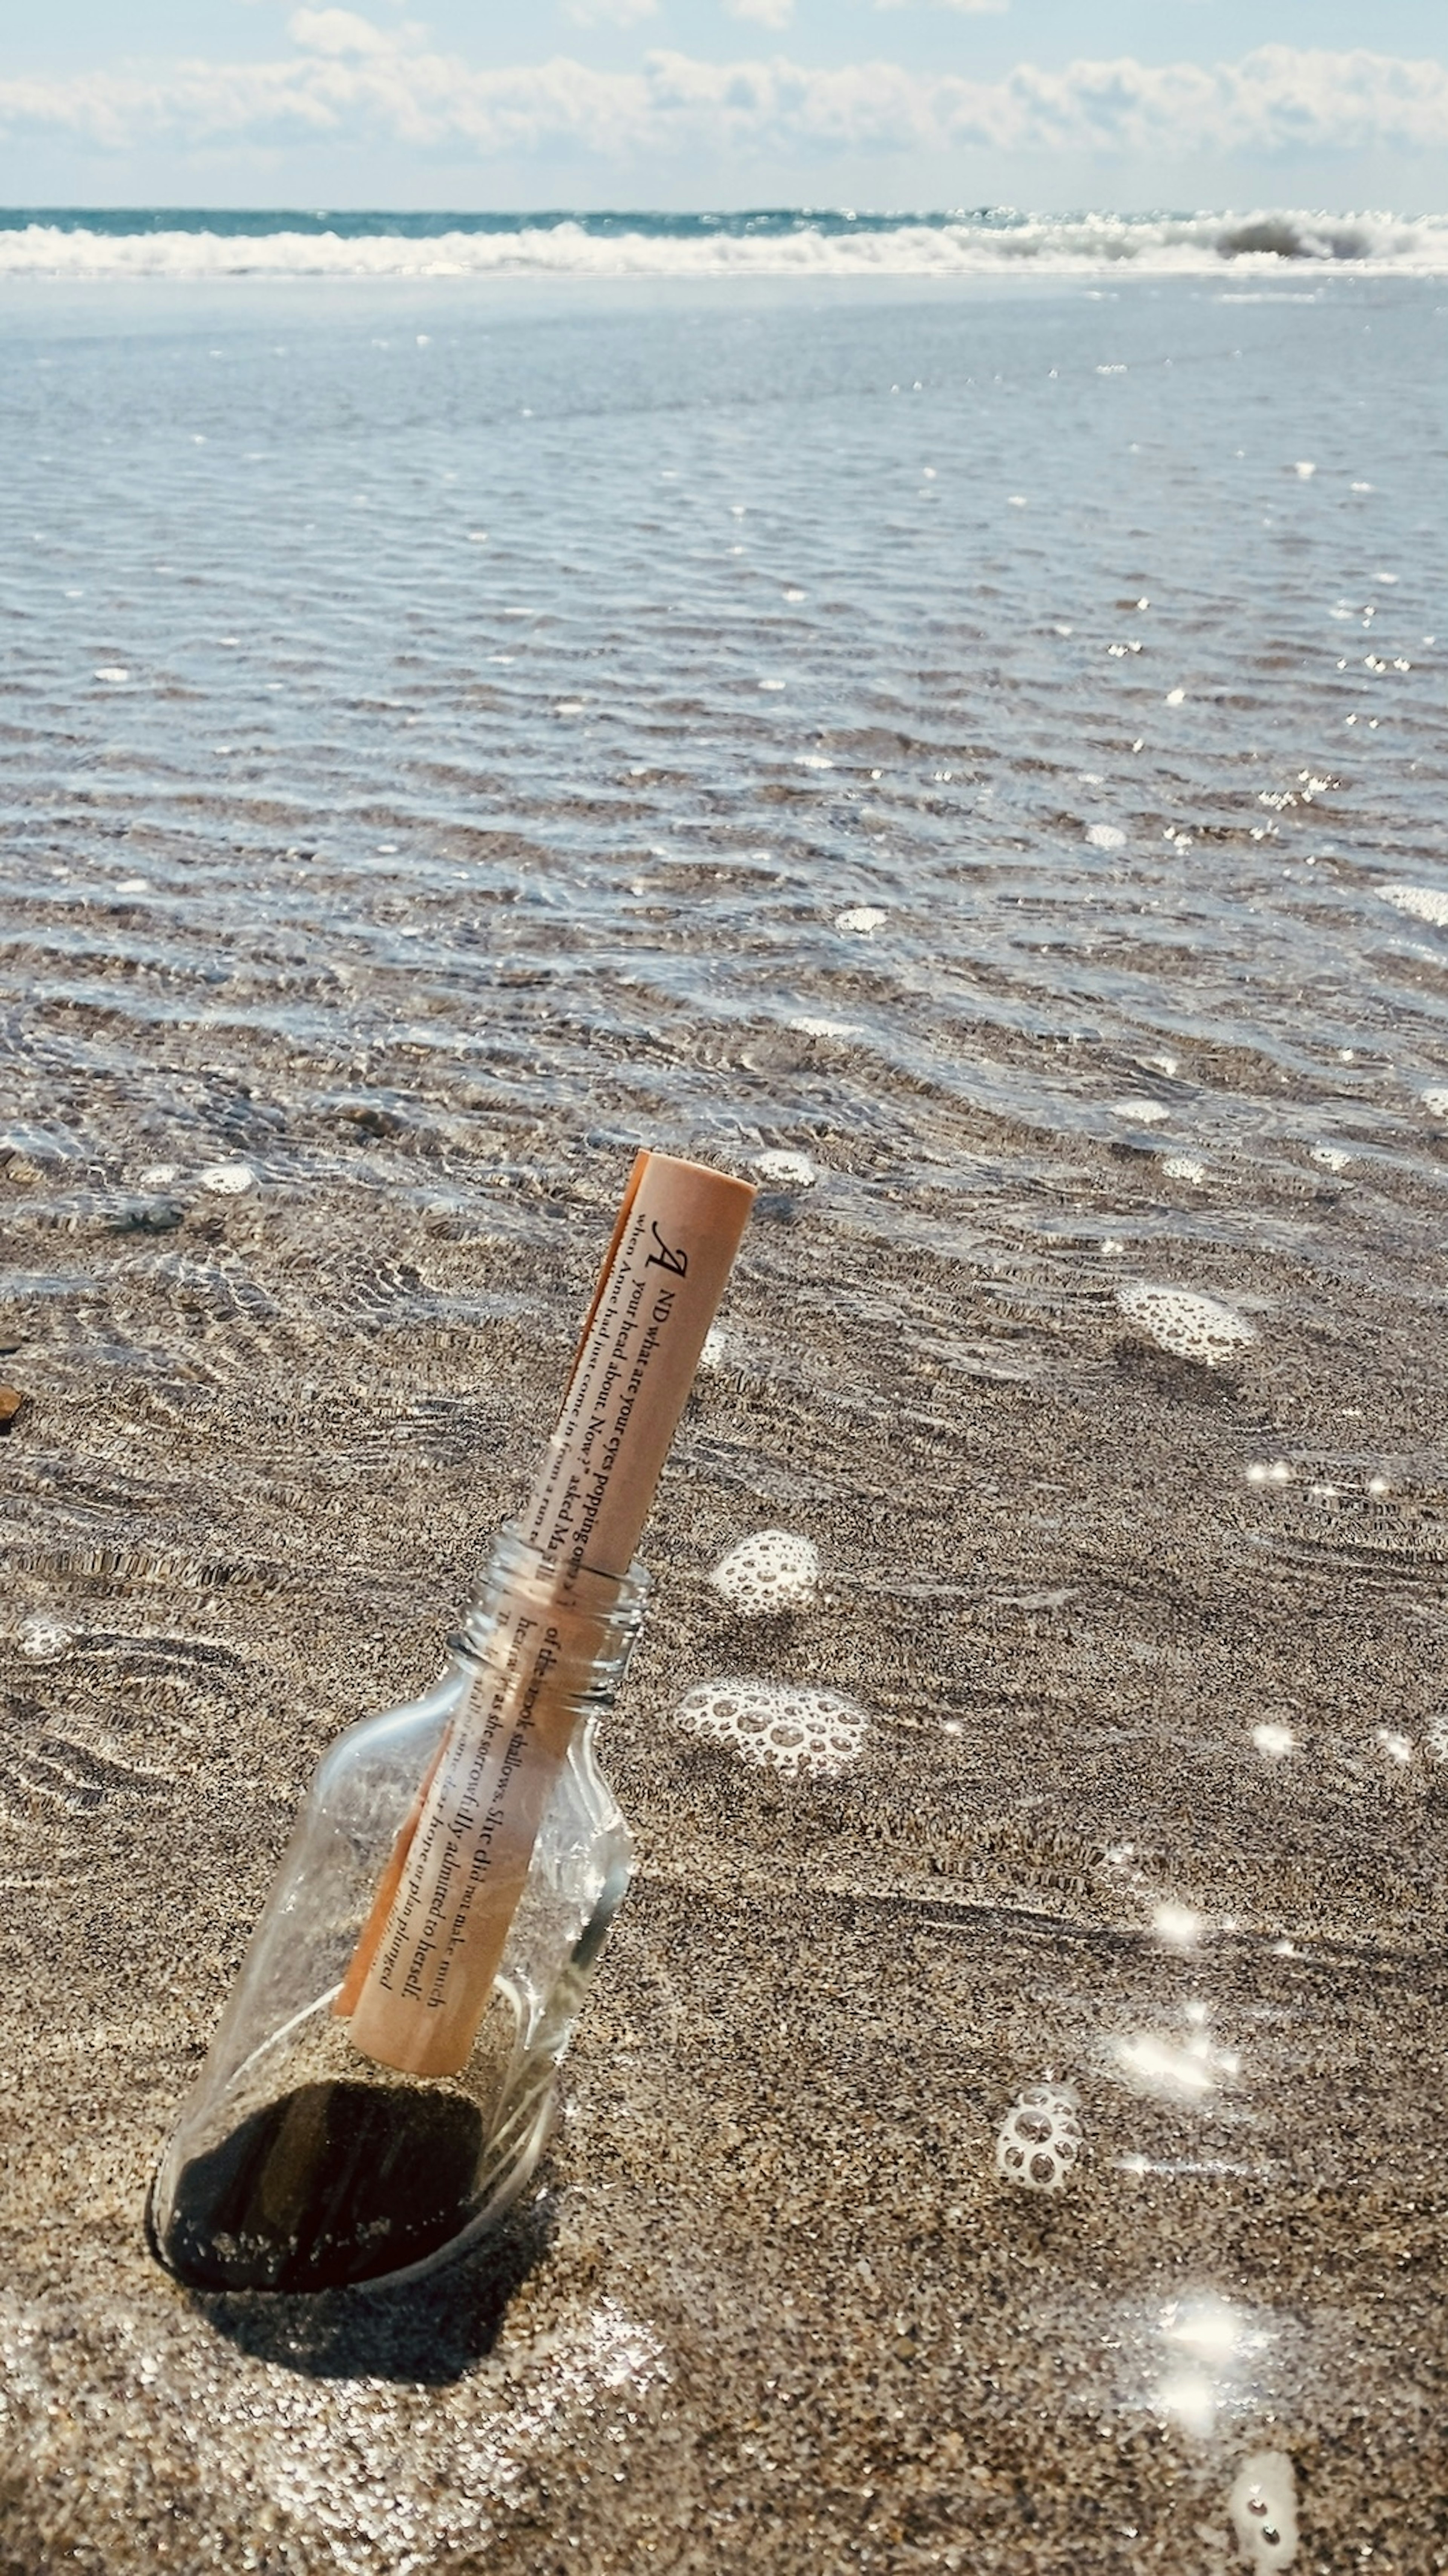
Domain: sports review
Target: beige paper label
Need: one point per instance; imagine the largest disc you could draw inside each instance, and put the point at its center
(465, 1869)
(425, 1963)
(672, 1253)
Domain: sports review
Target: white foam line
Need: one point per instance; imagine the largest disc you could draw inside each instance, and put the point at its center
(1292, 247)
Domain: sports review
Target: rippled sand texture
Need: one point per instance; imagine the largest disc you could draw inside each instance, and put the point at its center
(951, 744)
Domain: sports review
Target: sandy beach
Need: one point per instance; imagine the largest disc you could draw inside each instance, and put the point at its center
(1145, 1796)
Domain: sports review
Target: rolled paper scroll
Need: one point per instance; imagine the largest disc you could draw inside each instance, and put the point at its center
(423, 1969)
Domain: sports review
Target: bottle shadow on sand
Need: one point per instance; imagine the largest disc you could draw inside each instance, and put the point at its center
(431, 2331)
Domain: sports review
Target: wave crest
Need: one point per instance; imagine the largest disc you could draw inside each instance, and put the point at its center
(203, 247)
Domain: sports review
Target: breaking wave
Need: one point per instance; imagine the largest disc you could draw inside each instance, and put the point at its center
(202, 245)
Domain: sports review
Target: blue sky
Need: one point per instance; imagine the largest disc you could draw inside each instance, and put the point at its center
(678, 103)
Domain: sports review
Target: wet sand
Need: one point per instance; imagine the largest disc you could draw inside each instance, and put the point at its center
(753, 791)
(768, 2303)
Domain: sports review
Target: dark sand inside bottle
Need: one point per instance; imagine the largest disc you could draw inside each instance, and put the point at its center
(335, 2183)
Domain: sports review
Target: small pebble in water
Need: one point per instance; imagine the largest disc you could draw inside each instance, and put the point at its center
(1176, 697)
(1105, 836)
(796, 1170)
(113, 674)
(1263, 2507)
(227, 1180)
(772, 1571)
(44, 1639)
(1190, 1326)
(783, 1726)
(12, 1399)
(863, 919)
(1142, 1113)
(1038, 2143)
(1305, 469)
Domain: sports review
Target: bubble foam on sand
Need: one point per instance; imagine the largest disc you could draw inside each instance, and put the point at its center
(795, 1169)
(1142, 1113)
(772, 1571)
(1192, 1327)
(1436, 1103)
(863, 919)
(1425, 903)
(1263, 2507)
(1331, 1157)
(782, 1726)
(44, 1639)
(1184, 1167)
(1038, 2143)
(1105, 836)
(227, 1180)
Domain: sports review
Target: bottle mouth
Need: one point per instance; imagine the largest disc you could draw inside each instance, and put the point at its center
(602, 1610)
(590, 1587)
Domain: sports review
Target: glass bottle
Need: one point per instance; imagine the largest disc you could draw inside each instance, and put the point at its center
(298, 2163)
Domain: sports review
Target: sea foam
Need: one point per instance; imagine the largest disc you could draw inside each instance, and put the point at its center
(1265, 243)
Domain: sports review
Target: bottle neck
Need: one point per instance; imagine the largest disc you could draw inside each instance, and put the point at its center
(599, 1615)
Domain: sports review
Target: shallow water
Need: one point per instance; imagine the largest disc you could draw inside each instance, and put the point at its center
(595, 656)
(944, 739)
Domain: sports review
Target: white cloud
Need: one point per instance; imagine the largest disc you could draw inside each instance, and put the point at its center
(962, 8)
(765, 13)
(352, 83)
(620, 13)
(342, 32)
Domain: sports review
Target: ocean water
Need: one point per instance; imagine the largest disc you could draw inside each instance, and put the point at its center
(772, 241)
(416, 640)
(948, 718)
